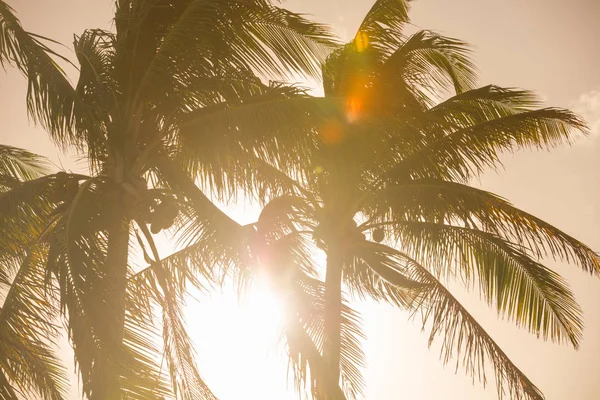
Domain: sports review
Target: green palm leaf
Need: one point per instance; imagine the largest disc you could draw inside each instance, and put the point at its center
(465, 339)
(471, 143)
(439, 200)
(521, 288)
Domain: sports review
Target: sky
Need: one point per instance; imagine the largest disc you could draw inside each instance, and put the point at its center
(549, 47)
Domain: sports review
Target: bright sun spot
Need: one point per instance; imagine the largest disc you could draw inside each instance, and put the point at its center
(262, 311)
(238, 344)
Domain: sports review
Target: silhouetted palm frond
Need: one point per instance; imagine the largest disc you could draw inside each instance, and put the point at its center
(465, 339)
(51, 99)
(29, 334)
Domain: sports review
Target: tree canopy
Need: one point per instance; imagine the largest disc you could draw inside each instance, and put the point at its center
(184, 106)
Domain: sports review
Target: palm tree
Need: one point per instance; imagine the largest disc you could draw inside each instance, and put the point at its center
(154, 109)
(390, 205)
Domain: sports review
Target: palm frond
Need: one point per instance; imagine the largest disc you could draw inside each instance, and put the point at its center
(178, 351)
(521, 288)
(182, 364)
(220, 238)
(352, 358)
(464, 152)
(304, 334)
(465, 339)
(485, 103)
(439, 200)
(384, 22)
(306, 361)
(51, 99)
(20, 164)
(373, 272)
(186, 267)
(427, 65)
(284, 256)
(267, 39)
(180, 354)
(139, 361)
(25, 212)
(308, 305)
(276, 127)
(284, 215)
(78, 257)
(97, 89)
(6, 390)
(28, 334)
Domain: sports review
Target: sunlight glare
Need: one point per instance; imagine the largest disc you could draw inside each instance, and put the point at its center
(361, 41)
(238, 340)
(332, 132)
(354, 108)
(262, 312)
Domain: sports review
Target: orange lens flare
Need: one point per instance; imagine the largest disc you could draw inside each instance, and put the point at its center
(361, 41)
(354, 108)
(332, 132)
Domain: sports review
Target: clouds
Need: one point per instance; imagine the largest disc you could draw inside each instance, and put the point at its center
(588, 105)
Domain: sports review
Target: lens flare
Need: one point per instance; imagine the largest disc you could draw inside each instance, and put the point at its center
(361, 41)
(354, 108)
(332, 132)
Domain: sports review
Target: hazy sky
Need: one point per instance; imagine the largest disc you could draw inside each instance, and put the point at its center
(548, 46)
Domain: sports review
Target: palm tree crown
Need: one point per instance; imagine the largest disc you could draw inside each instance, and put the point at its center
(144, 91)
(389, 204)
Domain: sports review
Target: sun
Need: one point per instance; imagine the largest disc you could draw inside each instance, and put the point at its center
(262, 312)
(238, 344)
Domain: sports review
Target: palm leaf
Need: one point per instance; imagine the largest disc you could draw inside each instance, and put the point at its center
(267, 39)
(426, 65)
(384, 22)
(24, 214)
(97, 90)
(51, 99)
(216, 234)
(277, 127)
(464, 338)
(6, 390)
(521, 288)
(178, 351)
(464, 152)
(372, 272)
(20, 164)
(77, 259)
(304, 334)
(28, 334)
(439, 200)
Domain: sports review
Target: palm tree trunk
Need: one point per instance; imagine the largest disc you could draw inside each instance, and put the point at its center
(333, 313)
(113, 313)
